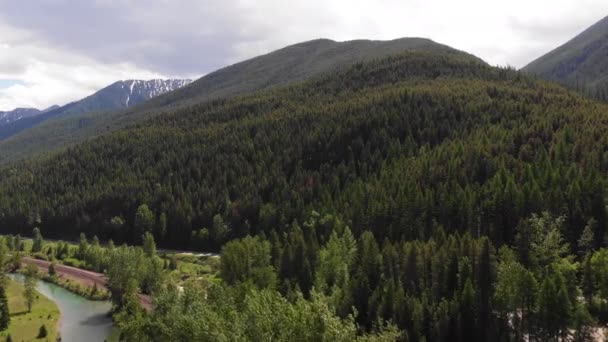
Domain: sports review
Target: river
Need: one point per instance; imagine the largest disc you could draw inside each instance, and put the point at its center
(81, 319)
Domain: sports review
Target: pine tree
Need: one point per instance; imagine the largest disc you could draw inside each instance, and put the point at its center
(29, 293)
(485, 271)
(83, 246)
(149, 245)
(469, 312)
(5, 317)
(586, 241)
(38, 241)
(52, 269)
(587, 283)
(42, 333)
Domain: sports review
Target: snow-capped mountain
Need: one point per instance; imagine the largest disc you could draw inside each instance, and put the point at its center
(117, 96)
(17, 114)
(137, 91)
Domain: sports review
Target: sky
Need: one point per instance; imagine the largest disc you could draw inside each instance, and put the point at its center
(57, 51)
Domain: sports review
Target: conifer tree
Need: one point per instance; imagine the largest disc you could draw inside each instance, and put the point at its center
(5, 317)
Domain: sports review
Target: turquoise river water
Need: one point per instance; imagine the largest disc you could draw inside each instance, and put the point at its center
(81, 319)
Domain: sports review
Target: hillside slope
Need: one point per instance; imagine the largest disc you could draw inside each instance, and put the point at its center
(17, 114)
(119, 95)
(580, 63)
(382, 186)
(286, 66)
(402, 146)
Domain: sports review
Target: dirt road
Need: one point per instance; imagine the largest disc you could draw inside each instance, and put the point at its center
(84, 277)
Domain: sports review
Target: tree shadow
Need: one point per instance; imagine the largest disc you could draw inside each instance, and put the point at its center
(100, 319)
(20, 313)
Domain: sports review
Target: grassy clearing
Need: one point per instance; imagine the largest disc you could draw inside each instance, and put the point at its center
(25, 325)
(193, 268)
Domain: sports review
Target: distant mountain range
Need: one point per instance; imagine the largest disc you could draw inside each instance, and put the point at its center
(119, 95)
(581, 63)
(17, 114)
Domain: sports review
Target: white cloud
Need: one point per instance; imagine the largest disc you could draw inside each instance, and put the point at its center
(49, 77)
(501, 32)
(63, 50)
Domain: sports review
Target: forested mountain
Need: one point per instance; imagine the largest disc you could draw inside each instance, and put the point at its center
(122, 94)
(437, 138)
(201, 161)
(424, 191)
(291, 64)
(17, 114)
(580, 63)
(288, 65)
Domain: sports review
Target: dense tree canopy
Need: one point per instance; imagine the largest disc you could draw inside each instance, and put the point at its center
(454, 201)
(401, 146)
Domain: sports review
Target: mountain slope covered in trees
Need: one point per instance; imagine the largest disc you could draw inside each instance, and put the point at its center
(119, 95)
(425, 191)
(402, 145)
(580, 63)
(291, 64)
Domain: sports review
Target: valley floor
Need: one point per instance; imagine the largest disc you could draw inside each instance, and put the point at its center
(25, 325)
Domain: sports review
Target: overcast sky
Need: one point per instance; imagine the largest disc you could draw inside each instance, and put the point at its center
(56, 51)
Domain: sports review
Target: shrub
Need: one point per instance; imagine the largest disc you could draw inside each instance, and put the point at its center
(73, 262)
(52, 270)
(42, 332)
(41, 256)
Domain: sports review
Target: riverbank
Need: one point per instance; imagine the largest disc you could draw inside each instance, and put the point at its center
(88, 286)
(24, 325)
(88, 279)
(81, 319)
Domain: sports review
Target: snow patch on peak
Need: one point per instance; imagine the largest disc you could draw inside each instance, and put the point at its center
(17, 114)
(139, 91)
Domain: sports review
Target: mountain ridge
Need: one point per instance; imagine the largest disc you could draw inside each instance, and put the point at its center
(6, 117)
(120, 94)
(285, 66)
(580, 63)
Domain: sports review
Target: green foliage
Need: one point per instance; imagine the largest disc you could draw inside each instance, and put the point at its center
(554, 308)
(335, 262)
(83, 246)
(42, 333)
(248, 259)
(125, 265)
(131, 264)
(149, 245)
(256, 315)
(5, 317)
(540, 242)
(52, 270)
(599, 268)
(587, 240)
(272, 132)
(91, 293)
(144, 220)
(31, 279)
(38, 241)
(515, 292)
(431, 159)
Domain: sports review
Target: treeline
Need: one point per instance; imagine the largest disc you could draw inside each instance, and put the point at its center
(402, 146)
(320, 282)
